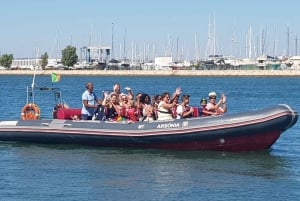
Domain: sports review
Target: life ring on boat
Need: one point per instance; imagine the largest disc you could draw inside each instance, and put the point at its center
(30, 112)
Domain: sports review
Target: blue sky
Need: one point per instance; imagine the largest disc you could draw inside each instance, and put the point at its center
(156, 27)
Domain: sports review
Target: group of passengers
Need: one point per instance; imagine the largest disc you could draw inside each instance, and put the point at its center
(117, 106)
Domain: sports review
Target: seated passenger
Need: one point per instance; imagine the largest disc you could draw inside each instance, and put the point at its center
(147, 112)
(124, 102)
(203, 111)
(217, 108)
(164, 107)
(175, 98)
(112, 108)
(117, 91)
(138, 106)
(184, 110)
(155, 101)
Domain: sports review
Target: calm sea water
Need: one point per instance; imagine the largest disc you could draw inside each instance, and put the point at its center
(44, 172)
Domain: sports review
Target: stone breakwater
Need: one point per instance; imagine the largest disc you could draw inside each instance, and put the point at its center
(200, 73)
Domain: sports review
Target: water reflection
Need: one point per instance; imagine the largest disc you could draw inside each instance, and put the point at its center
(135, 173)
(259, 164)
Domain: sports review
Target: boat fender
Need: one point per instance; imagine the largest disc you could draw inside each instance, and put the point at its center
(30, 112)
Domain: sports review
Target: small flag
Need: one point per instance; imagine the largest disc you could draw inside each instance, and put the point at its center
(55, 77)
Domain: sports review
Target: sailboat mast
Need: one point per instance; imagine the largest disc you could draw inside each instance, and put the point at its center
(250, 43)
(177, 53)
(208, 45)
(288, 41)
(275, 43)
(214, 35)
(196, 48)
(124, 46)
(296, 45)
(112, 40)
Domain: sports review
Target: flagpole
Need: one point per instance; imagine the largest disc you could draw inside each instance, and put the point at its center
(32, 85)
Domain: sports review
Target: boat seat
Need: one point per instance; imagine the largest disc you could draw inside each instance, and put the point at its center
(68, 113)
(196, 111)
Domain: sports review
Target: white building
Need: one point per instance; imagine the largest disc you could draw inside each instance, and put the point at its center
(163, 63)
(31, 64)
(28, 63)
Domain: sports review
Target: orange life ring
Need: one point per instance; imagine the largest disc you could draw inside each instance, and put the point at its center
(30, 112)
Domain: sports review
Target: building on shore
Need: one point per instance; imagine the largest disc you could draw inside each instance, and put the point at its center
(163, 63)
(25, 63)
(33, 64)
(92, 56)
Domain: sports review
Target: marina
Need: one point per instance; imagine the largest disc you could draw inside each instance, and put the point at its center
(93, 61)
(161, 73)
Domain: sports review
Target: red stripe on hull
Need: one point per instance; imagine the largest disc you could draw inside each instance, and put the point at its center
(256, 142)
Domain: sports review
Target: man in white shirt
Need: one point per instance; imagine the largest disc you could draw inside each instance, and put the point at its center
(90, 102)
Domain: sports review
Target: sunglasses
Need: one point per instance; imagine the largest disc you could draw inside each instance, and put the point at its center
(213, 97)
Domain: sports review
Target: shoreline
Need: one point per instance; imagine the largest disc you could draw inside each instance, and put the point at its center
(174, 73)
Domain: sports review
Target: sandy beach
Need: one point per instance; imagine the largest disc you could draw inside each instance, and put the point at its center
(200, 73)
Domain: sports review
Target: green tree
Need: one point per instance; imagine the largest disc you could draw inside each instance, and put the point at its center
(6, 60)
(44, 60)
(69, 56)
